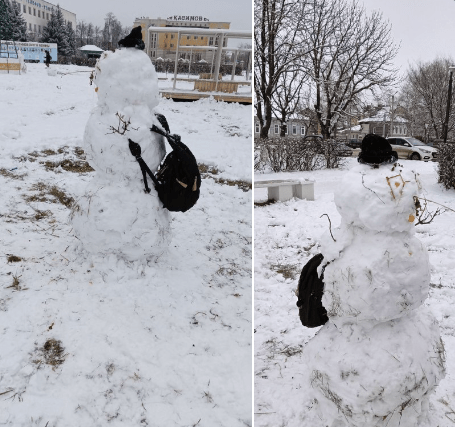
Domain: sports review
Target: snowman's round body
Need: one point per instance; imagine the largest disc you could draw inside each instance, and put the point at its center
(380, 355)
(115, 215)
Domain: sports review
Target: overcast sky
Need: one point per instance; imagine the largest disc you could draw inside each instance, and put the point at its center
(424, 27)
(237, 12)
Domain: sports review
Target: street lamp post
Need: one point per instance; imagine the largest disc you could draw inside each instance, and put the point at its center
(449, 98)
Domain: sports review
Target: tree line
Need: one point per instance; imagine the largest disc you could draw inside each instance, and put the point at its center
(14, 27)
(325, 59)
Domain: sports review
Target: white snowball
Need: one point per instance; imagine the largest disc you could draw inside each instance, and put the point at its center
(116, 218)
(379, 199)
(126, 77)
(373, 275)
(379, 376)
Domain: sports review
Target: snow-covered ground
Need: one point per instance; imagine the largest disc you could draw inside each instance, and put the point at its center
(91, 342)
(286, 236)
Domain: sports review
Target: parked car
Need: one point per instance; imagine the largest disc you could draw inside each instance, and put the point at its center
(343, 149)
(413, 149)
(354, 143)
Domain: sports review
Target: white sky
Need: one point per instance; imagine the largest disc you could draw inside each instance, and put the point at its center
(424, 27)
(238, 12)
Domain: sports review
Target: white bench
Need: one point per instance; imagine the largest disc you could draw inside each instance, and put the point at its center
(282, 190)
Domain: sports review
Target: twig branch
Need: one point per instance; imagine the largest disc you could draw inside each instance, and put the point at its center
(122, 123)
(373, 191)
(330, 226)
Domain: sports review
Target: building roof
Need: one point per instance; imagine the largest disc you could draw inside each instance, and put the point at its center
(356, 128)
(379, 118)
(91, 48)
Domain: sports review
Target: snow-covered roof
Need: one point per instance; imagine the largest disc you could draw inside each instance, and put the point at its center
(91, 48)
(380, 118)
(356, 128)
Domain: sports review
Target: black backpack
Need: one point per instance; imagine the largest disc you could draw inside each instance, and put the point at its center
(178, 180)
(309, 293)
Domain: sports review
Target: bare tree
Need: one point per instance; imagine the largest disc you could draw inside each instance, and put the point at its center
(351, 53)
(287, 96)
(424, 93)
(89, 33)
(276, 38)
(81, 29)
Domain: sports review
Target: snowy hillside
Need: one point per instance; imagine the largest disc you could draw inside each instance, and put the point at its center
(97, 342)
(286, 236)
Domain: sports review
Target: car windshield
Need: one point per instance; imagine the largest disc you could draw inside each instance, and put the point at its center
(414, 141)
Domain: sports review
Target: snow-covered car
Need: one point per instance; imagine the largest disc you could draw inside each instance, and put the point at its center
(411, 148)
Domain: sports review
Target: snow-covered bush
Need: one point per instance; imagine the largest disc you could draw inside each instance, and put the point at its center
(446, 170)
(296, 154)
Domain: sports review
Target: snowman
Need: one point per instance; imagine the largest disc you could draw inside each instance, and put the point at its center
(115, 216)
(380, 355)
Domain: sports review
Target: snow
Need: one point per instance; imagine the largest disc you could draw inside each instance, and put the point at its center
(293, 370)
(161, 343)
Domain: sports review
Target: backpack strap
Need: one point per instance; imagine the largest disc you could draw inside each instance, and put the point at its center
(135, 149)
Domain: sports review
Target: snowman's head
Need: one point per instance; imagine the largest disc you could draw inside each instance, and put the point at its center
(382, 199)
(126, 77)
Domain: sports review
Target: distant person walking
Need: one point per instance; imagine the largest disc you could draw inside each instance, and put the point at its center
(48, 58)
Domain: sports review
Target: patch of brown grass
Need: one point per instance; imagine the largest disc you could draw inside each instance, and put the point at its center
(52, 353)
(44, 190)
(208, 171)
(8, 174)
(75, 166)
(203, 168)
(13, 258)
(288, 271)
(48, 152)
(16, 284)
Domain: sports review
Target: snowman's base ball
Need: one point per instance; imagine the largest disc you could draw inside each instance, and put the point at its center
(117, 218)
(379, 376)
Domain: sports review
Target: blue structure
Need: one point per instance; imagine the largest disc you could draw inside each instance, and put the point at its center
(33, 51)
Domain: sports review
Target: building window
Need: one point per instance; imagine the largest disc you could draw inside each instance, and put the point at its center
(34, 25)
(34, 12)
(294, 129)
(47, 16)
(24, 8)
(39, 14)
(195, 37)
(153, 38)
(30, 27)
(188, 37)
(172, 44)
(210, 41)
(277, 129)
(29, 10)
(256, 128)
(286, 129)
(39, 29)
(172, 36)
(202, 38)
(302, 131)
